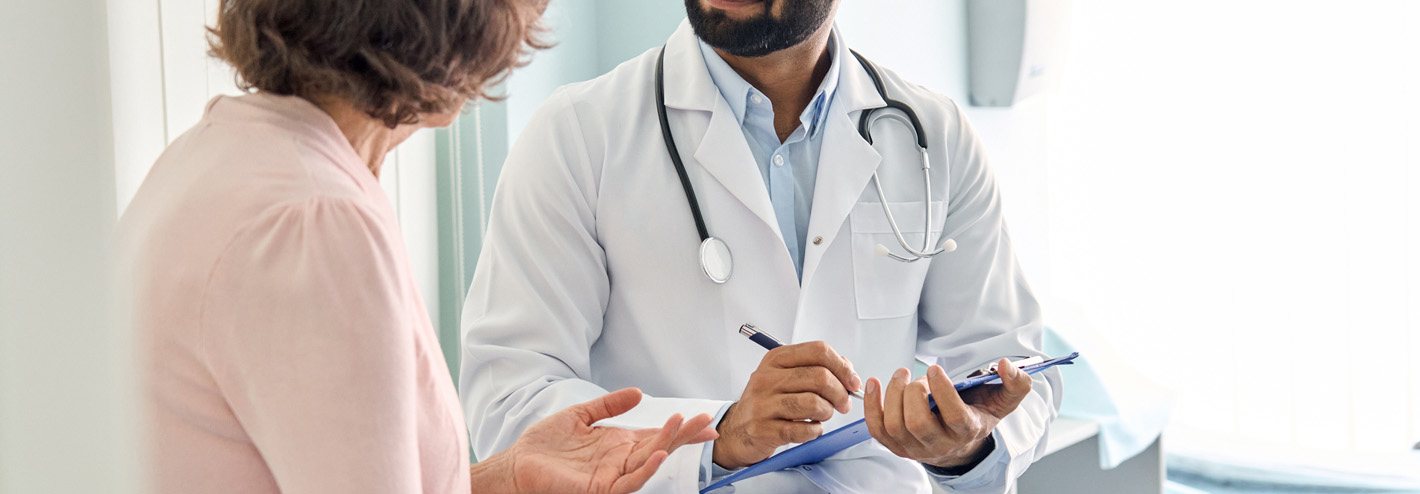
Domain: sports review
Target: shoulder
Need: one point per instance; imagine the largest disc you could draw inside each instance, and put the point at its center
(225, 183)
(934, 108)
(601, 103)
(303, 247)
(579, 125)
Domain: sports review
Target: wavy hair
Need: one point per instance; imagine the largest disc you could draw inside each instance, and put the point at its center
(393, 59)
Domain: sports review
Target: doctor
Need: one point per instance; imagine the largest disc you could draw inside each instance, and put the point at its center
(599, 270)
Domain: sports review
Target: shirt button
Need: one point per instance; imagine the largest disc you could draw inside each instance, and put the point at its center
(757, 99)
(778, 160)
(818, 240)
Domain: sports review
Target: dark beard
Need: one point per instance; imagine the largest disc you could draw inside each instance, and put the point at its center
(762, 34)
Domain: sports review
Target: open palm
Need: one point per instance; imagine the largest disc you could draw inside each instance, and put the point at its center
(565, 453)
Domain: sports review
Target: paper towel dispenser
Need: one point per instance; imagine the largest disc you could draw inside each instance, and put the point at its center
(1014, 47)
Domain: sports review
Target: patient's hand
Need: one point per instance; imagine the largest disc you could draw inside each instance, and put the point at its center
(564, 453)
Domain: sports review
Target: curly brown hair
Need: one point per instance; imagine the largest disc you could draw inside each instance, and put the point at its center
(393, 59)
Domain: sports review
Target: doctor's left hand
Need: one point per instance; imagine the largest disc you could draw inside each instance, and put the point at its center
(901, 419)
(565, 453)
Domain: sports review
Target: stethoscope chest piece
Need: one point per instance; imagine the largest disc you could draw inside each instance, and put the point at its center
(715, 260)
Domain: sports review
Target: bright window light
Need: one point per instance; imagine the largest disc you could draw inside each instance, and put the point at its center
(1235, 202)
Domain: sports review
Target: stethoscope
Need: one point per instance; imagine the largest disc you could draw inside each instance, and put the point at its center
(715, 259)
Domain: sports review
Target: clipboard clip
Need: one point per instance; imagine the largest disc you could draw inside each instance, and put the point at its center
(1023, 363)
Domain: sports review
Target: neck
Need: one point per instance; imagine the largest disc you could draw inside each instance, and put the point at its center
(787, 77)
(370, 138)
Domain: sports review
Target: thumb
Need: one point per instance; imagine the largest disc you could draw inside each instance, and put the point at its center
(607, 406)
(1017, 385)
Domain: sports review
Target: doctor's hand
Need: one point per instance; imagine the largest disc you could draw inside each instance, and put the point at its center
(565, 453)
(795, 388)
(901, 419)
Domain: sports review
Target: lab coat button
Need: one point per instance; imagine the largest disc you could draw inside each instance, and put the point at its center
(818, 240)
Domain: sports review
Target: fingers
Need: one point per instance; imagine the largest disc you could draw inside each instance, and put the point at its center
(899, 414)
(873, 414)
(816, 354)
(663, 440)
(695, 431)
(953, 411)
(924, 425)
(816, 380)
(804, 406)
(633, 481)
(791, 431)
(607, 406)
(675, 433)
(894, 420)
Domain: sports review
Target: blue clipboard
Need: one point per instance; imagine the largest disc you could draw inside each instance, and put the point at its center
(849, 435)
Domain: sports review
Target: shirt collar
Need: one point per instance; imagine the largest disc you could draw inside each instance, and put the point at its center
(737, 91)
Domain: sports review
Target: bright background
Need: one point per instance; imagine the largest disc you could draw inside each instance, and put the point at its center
(1234, 191)
(1222, 196)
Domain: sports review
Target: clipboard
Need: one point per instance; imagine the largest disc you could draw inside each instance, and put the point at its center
(849, 435)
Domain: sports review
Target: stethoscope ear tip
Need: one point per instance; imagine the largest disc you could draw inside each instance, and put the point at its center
(882, 250)
(949, 246)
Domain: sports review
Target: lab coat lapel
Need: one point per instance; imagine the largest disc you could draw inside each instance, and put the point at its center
(846, 161)
(722, 150)
(725, 154)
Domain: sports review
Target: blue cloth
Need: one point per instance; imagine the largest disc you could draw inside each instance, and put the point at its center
(789, 168)
(1130, 411)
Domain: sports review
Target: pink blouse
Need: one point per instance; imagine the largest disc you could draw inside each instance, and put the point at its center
(284, 343)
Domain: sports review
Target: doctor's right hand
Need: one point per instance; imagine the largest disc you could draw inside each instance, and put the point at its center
(794, 390)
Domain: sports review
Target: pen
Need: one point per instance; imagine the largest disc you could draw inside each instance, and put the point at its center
(769, 343)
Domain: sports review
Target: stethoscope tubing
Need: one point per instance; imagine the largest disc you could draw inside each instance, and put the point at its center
(864, 123)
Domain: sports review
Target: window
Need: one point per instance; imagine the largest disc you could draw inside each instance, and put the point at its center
(1235, 191)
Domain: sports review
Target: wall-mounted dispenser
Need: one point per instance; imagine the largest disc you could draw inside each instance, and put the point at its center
(1014, 48)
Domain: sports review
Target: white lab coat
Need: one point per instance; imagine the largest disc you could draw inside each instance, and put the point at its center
(589, 278)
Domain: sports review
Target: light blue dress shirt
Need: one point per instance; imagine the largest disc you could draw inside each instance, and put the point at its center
(789, 168)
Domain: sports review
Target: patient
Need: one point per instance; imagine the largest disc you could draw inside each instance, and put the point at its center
(285, 346)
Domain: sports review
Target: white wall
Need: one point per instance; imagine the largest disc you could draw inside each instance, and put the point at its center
(925, 41)
(67, 395)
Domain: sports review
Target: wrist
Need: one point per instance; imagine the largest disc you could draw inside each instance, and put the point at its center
(720, 448)
(495, 475)
(969, 457)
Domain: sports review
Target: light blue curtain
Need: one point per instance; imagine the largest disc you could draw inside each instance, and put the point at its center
(470, 155)
(590, 37)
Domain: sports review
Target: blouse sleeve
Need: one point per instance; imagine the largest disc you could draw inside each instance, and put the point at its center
(306, 333)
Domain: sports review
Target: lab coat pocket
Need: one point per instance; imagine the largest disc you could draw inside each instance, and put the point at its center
(884, 287)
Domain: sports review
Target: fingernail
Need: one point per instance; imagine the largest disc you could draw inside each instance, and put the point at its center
(857, 381)
(900, 373)
(872, 385)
